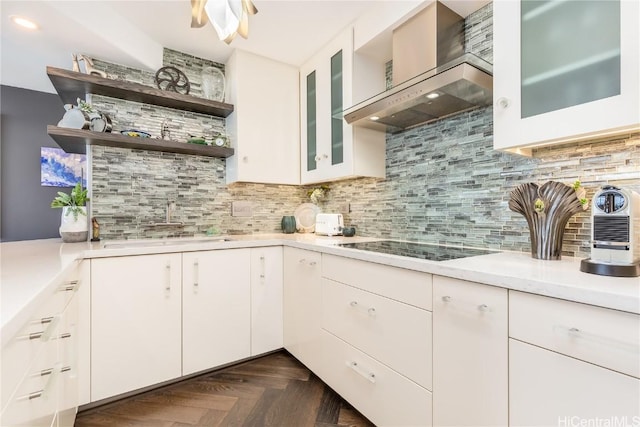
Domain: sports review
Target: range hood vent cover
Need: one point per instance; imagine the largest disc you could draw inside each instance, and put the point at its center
(437, 89)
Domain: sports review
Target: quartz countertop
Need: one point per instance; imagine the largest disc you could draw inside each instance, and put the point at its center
(30, 268)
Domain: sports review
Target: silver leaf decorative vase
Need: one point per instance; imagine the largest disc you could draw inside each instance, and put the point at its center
(547, 209)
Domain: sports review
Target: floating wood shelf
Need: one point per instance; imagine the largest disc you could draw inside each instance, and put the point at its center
(72, 85)
(76, 141)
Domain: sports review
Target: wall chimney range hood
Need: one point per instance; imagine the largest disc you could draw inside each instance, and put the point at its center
(432, 76)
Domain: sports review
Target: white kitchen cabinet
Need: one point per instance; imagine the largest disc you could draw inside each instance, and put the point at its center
(266, 299)
(570, 361)
(470, 353)
(264, 126)
(330, 148)
(302, 311)
(135, 322)
(564, 71)
(40, 363)
(215, 308)
(547, 388)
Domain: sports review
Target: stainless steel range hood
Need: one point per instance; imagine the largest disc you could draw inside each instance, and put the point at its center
(432, 78)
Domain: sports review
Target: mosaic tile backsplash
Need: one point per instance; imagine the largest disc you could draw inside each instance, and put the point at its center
(445, 183)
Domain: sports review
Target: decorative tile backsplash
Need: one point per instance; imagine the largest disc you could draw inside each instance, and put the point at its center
(445, 183)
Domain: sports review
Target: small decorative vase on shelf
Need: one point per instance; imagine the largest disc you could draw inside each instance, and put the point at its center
(213, 84)
(547, 209)
(288, 224)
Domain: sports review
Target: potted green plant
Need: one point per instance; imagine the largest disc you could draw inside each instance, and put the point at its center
(73, 222)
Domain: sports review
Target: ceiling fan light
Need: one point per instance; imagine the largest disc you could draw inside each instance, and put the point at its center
(224, 20)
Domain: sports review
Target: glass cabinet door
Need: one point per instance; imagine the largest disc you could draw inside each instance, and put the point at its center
(570, 53)
(337, 137)
(311, 122)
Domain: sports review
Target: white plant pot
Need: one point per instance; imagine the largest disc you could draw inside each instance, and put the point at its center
(74, 229)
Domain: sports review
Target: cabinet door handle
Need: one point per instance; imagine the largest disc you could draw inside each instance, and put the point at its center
(318, 158)
(469, 305)
(196, 273)
(371, 311)
(167, 286)
(369, 376)
(262, 269)
(325, 156)
(503, 102)
(312, 263)
(302, 261)
(576, 333)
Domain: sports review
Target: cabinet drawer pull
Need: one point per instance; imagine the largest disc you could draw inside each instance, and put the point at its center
(70, 286)
(65, 335)
(53, 376)
(65, 369)
(369, 376)
(46, 334)
(371, 311)
(576, 333)
(446, 298)
(483, 307)
(312, 263)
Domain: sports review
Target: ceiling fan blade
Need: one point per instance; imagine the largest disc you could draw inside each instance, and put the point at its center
(243, 28)
(198, 16)
(230, 38)
(249, 7)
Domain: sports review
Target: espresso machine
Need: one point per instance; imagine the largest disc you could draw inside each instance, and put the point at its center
(615, 233)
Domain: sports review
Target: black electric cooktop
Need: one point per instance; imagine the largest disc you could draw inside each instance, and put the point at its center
(416, 250)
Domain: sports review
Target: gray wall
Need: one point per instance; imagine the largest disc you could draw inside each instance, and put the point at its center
(25, 205)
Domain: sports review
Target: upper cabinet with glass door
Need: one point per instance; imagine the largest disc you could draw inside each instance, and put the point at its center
(564, 71)
(330, 148)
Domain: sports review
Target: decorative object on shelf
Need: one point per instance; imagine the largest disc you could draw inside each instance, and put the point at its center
(74, 63)
(84, 116)
(547, 209)
(220, 140)
(197, 140)
(171, 79)
(88, 66)
(95, 230)
(228, 17)
(213, 84)
(165, 132)
(135, 133)
(288, 224)
(318, 194)
(73, 222)
(100, 122)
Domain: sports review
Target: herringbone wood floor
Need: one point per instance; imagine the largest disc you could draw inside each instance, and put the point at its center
(275, 390)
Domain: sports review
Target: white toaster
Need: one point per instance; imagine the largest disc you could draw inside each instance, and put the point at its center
(329, 224)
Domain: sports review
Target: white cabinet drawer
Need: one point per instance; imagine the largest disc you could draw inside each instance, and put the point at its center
(20, 351)
(411, 287)
(396, 334)
(382, 395)
(34, 402)
(605, 337)
(549, 389)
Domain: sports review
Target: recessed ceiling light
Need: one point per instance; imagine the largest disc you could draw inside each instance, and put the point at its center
(374, 118)
(433, 95)
(24, 22)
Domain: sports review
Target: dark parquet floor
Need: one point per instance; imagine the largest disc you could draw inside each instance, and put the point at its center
(274, 390)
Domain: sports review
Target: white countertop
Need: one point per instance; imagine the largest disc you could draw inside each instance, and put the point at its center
(30, 268)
